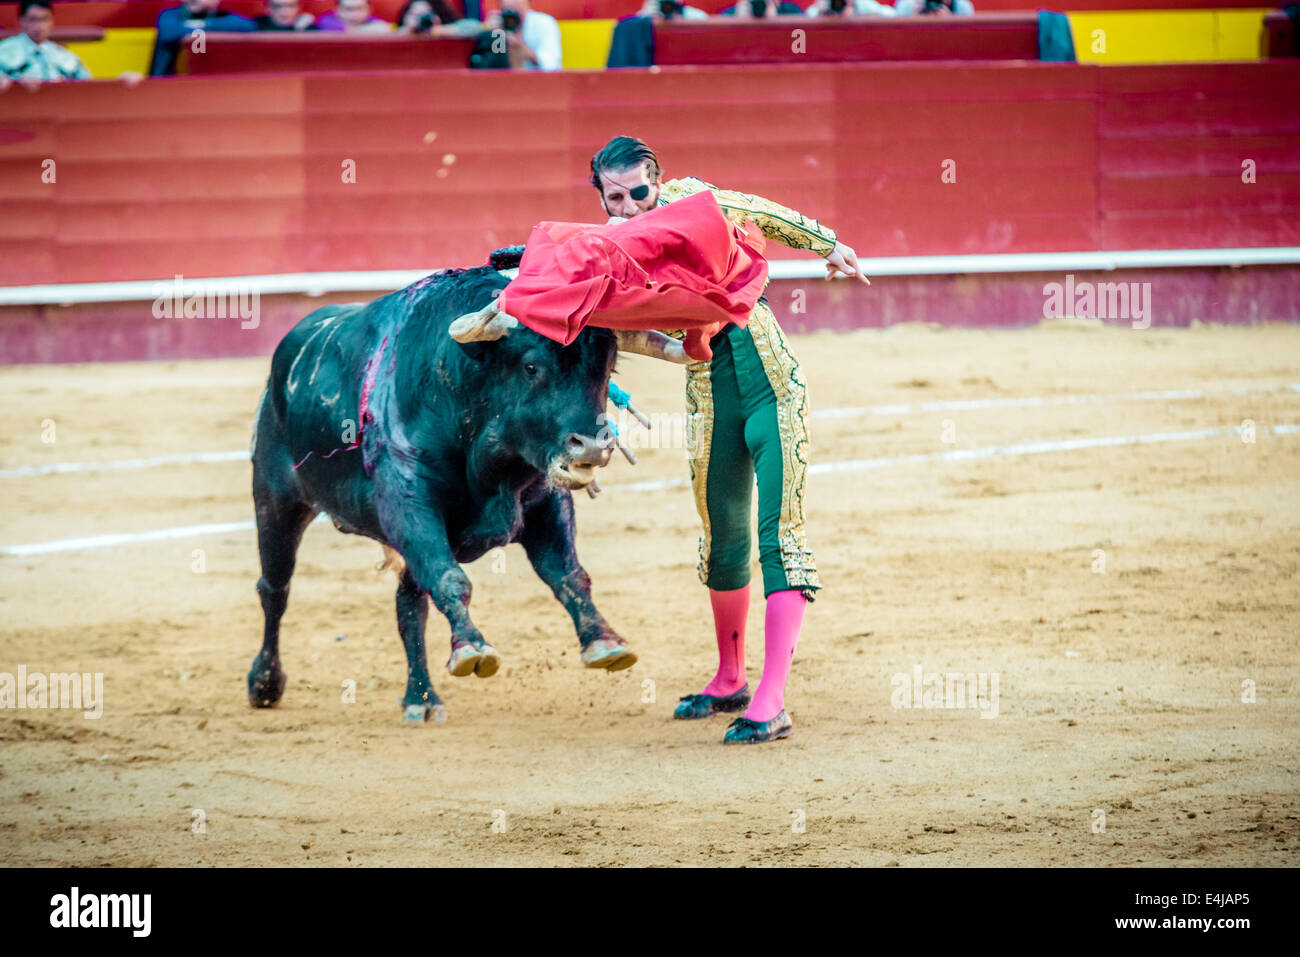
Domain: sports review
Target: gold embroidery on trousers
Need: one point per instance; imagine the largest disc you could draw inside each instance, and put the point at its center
(791, 393)
(699, 442)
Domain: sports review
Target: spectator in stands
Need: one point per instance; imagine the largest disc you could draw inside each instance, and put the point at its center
(671, 10)
(433, 18)
(533, 37)
(353, 16)
(849, 9)
(177, 25)
(756, 9)
(284, 15)
(907, 8)
(31, 56)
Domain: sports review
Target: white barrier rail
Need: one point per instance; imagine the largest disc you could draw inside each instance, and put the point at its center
(322, 283)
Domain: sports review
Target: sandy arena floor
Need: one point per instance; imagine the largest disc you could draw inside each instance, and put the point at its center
(1120, 686)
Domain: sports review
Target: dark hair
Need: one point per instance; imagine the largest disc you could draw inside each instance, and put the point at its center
(621, 152)
(508, 257)
(28, 4)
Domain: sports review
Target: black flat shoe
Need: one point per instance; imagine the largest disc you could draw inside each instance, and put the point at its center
(747, 731)
(704, 705)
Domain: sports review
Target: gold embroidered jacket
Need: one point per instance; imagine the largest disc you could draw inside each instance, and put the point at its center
(776, 221)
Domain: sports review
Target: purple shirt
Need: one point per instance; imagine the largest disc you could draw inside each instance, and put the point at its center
(331, 21)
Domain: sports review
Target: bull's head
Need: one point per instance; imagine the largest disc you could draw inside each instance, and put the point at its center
(555, 422)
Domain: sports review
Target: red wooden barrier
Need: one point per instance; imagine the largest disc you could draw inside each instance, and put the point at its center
(993, 36)
(325, 52)
(1006, 36)
(144, 13)
(210, 176)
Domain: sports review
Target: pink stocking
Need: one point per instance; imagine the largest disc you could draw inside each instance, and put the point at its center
(781, 627)
(730, 612)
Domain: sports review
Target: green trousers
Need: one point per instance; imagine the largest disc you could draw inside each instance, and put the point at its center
(748, 426)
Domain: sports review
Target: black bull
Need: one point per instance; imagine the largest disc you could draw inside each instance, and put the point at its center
(465, 448)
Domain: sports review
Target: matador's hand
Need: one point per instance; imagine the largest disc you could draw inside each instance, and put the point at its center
(844, 259)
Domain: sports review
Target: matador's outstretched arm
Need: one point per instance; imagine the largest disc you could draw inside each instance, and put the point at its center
(780, 223)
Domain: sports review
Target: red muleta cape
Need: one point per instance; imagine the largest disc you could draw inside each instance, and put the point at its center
(679, 266)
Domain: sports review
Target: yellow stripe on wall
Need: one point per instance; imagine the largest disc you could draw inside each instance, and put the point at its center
(122, 49)
(586, 43)
(1167, 36)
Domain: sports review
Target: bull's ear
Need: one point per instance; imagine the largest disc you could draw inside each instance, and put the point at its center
(478, 352)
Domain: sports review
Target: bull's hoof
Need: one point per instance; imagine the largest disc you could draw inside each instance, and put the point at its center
(265, 687)
(611, 654)
(426, 711)
(468, 658)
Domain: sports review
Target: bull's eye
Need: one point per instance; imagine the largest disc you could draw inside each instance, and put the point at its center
(530, 368)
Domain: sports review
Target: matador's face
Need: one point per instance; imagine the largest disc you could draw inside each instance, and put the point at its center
(630, 192)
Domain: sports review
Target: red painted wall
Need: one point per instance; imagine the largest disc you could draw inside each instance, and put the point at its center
(243, 175)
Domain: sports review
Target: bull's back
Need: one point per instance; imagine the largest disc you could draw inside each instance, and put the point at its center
(314, 384)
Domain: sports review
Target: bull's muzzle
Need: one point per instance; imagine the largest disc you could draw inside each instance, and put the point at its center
(576, 467)
(585, 450)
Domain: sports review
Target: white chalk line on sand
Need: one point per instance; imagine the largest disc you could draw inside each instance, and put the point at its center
(960, 405)
(149, 462)
(850, 465)
(907, 408)
(990, 451)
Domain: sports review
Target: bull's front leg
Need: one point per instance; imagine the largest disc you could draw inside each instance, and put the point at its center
(548, 538)
(431, 569)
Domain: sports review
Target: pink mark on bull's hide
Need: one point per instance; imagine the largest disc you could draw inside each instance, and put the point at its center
(363, 414)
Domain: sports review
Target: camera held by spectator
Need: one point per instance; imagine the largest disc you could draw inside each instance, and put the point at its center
(427, 18)
(532, 40)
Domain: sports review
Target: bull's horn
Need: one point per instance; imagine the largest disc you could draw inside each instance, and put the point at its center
(646, 342)
(487, 324)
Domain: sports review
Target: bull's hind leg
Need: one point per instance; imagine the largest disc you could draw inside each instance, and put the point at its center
(280, 524)
(421, 702)
(547, 537)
